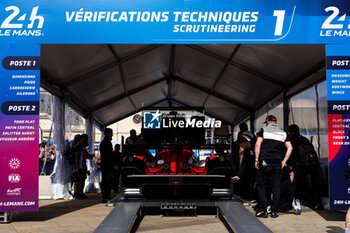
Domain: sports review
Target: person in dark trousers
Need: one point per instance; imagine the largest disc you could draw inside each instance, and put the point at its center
(80, 174)
(246, 172)
(69, 154)
(286, 196)
(305, 165)
(117, 166)
(106, 151)
(270, 157)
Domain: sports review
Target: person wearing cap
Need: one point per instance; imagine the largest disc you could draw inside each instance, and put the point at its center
(243, 127)
(270, 157)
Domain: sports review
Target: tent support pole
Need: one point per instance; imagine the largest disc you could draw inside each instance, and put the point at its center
(89, 127)
(231, 137)
(252, 119)
(285, 111)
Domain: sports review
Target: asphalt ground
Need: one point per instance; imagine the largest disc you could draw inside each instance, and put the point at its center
(75, 216)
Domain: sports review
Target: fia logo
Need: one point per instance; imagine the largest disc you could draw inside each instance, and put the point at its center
(14, 178)
(151, 119)
(14, 163)
(14, 16)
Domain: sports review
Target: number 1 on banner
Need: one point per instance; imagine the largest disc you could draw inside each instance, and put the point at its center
(279, 22)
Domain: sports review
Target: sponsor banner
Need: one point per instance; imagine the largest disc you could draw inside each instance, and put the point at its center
(19, 127)
(179, 21)
(14, 192)
(338, 94)
(158, 120)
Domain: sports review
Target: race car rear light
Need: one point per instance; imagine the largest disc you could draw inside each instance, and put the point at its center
(132, 192)
(221, 192)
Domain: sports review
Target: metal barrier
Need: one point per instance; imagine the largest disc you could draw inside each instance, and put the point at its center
(5, 217)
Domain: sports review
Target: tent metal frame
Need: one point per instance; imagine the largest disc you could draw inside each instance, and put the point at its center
(63, 90)
(249, 70)
(108, 66)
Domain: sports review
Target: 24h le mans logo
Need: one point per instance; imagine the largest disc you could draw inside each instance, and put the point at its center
(14, 163)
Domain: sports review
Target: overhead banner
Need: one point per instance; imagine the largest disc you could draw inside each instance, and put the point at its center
(179, 21)
(26, 25)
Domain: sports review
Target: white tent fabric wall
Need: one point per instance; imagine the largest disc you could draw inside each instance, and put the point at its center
(303, 112)
(60, 186)
(323, 113)
(323, 139)
(273, 107)
(92, 183)
(277, 112)
(308, 110)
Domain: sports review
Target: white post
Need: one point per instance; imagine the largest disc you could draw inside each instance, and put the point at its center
(212, 139)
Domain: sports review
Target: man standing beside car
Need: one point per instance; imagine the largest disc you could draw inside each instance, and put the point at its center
(270, 157)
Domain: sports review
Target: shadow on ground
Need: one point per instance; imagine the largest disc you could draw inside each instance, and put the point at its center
(334, 229)
(331, 215)
(50, 211)
(171, 223)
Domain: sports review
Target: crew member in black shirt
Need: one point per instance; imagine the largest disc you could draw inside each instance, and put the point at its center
(117, 166)
(270, 157)
(106, 150)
